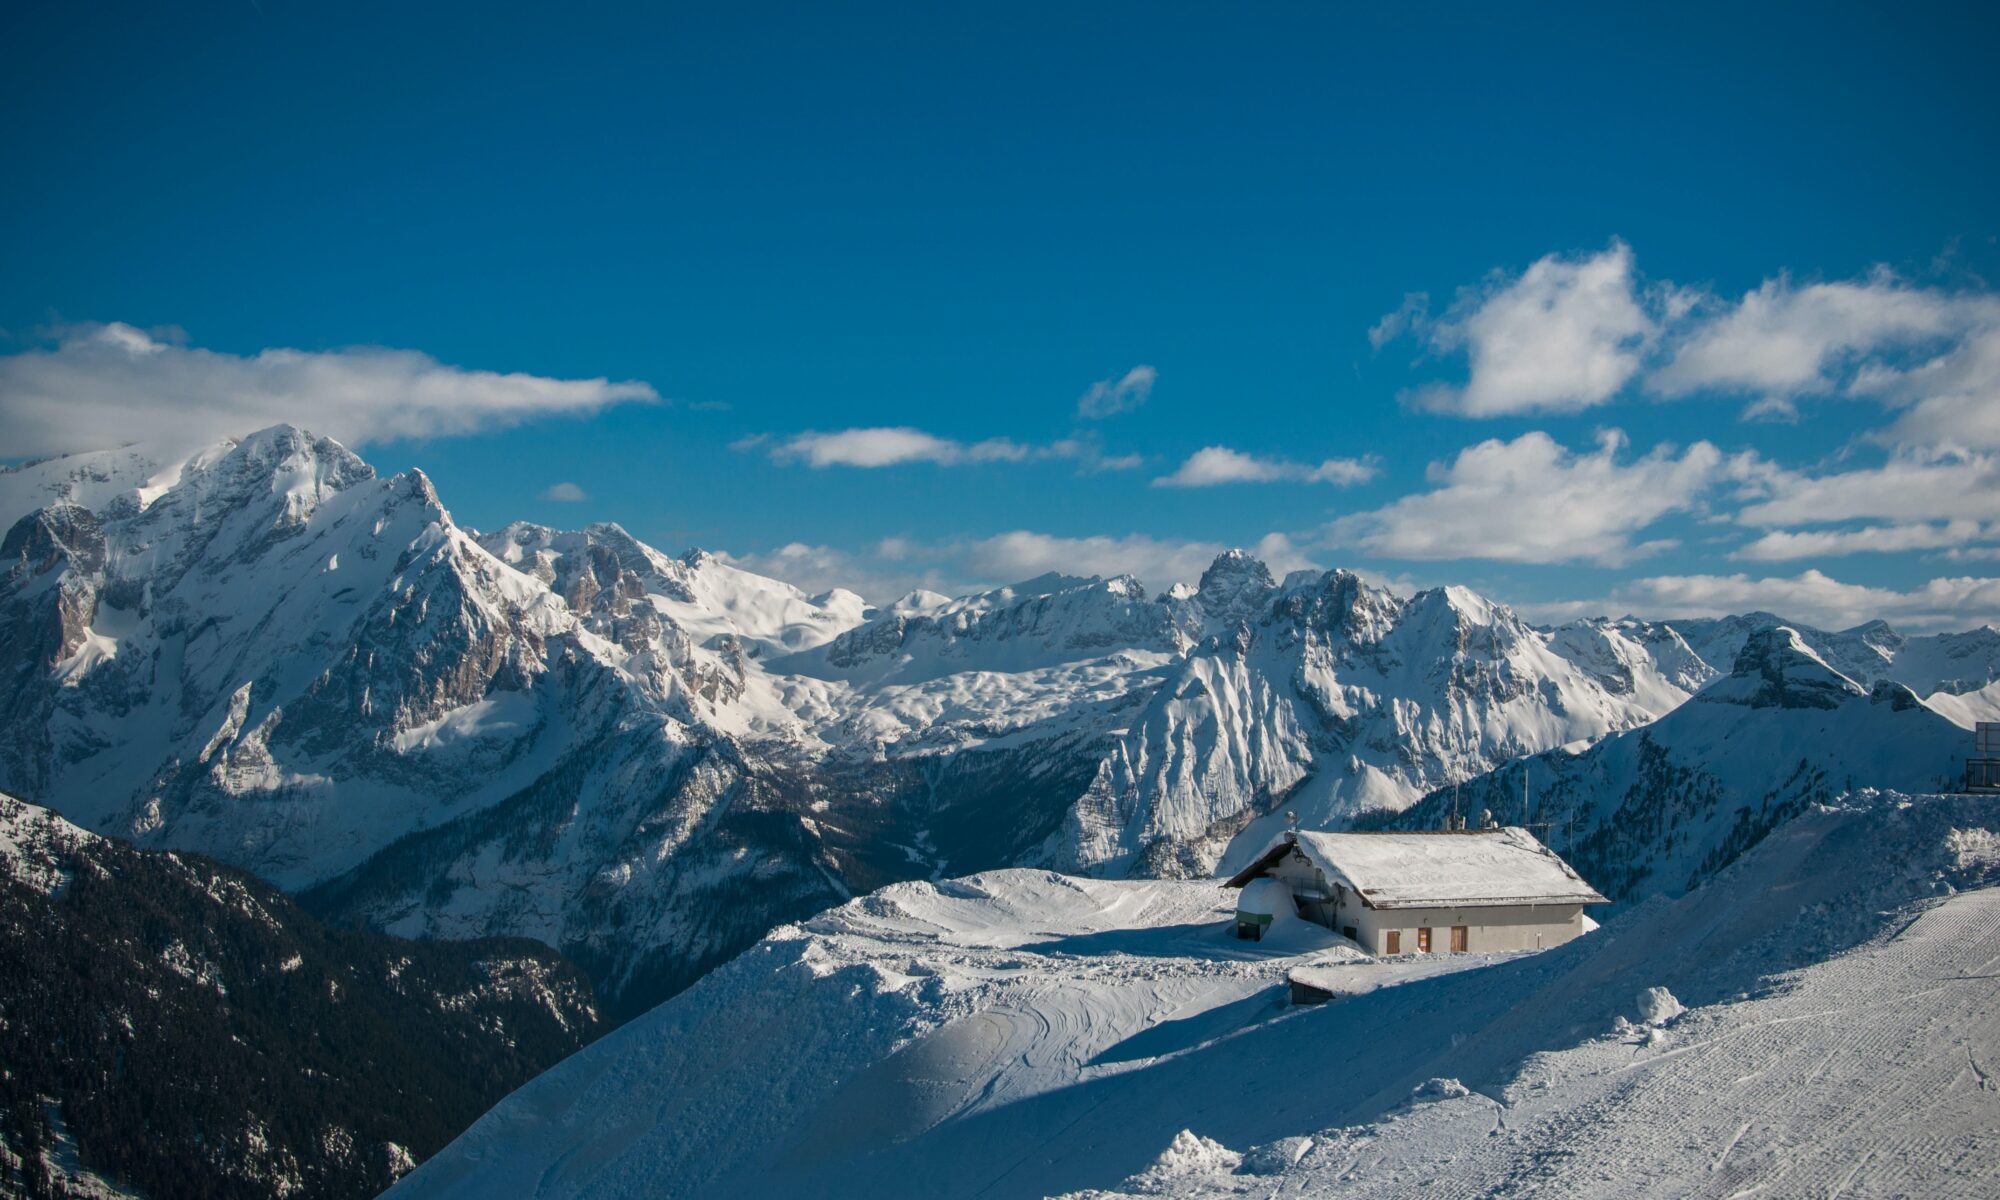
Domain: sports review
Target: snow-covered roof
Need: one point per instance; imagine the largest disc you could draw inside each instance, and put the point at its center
(1475, 868)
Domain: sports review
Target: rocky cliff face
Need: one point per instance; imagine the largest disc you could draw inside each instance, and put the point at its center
(269, 654)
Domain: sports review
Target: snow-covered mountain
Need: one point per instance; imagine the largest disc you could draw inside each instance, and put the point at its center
(1660, 808)
(1955, 673)
(1816, 1019)
(267, 653)
(271, 655)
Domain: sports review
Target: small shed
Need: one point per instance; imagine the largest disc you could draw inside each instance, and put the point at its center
(1429, 893)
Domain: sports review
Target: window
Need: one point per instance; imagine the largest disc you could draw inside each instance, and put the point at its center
(1424, 940)
(1348, 932)
(1458, 939)
(1392, 942)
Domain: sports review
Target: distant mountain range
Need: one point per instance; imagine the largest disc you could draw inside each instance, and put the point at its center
(172, 1027)
(269, 654)
(1662, 808)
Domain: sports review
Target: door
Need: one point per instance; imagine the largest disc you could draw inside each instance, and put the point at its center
(1458, 939)
(1392, 942)
(1424, 940)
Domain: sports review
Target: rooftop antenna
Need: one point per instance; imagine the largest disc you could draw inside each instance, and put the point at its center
(1292, 824)
(1528, 807)
(1451, 822)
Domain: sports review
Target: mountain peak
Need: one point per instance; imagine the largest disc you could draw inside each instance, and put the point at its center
(1233, 583)
(1776, 669)
(1236, 562)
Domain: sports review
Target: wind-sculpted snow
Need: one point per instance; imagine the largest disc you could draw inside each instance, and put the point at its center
(266, 653)
(1816, 1017)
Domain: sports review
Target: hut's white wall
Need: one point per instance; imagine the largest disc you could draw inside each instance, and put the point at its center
(1497, 927)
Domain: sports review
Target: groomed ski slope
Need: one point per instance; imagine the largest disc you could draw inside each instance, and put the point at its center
(1023, 1034)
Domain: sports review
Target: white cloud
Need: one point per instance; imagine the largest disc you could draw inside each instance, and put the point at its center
(1109, 397)
(1951, 401)
(1910, 487)
(1532, 500)
(1780, 341)
(889, 446)
(1783, 546)
(1086, 449)
(1215, 465)
(1412, 316)
(566, 493)
(1573, 332)
(103, 384)
(1565, 335)
(1811, 597)
(886, 447)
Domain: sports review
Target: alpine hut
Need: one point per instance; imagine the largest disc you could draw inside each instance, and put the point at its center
(1404, 893)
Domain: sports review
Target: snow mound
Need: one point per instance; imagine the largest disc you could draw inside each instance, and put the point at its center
(1657, 1006)
(1439, 1089)
(1188, 1155)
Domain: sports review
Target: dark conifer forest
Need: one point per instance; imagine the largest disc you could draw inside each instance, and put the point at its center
(177, 1028)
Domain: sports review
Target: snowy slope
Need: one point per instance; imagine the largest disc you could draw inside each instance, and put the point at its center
(699, 592)
(1021, 1034)
(126, 477)
(1868, 1074)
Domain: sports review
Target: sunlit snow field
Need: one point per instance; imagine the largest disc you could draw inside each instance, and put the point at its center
(1021, 1033)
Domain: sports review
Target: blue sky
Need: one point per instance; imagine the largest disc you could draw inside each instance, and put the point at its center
(798, 227)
